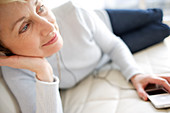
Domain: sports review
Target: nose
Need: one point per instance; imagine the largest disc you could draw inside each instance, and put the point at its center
(45, 26)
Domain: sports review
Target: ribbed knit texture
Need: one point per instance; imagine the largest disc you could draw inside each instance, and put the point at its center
(52, 97)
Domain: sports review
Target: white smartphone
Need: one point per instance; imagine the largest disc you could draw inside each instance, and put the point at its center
(158, 96)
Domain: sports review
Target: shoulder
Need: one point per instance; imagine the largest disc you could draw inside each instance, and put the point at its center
(72, 14)
(66, 7)
(69, 9)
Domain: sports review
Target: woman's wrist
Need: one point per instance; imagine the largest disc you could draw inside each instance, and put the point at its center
(44, 77)
(45, 73)
(134, 76)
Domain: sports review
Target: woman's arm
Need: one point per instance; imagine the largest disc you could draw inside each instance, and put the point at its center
(36, 90)
(40, 66)
(120, 54)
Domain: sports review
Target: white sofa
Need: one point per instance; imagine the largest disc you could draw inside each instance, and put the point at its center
(106, 91)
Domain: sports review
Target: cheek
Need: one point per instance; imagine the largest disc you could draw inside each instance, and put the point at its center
(24, 46)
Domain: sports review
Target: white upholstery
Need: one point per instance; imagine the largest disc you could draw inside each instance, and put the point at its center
(107, 91)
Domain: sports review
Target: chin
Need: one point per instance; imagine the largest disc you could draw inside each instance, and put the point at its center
(53, 51)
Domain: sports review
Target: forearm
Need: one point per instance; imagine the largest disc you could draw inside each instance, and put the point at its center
(47, 90)
(47, 97)
(121, 55)
(115, 47)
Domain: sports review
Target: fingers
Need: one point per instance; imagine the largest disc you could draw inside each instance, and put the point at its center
(141, 81)
(167, 77)
(141, 92)
(160, 81)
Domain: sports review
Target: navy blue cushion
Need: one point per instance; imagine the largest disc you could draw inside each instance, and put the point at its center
(139, 29)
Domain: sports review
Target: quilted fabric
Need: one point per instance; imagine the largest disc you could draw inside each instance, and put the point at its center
(108, 92)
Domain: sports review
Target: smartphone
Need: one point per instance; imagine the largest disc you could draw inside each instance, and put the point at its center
(158, 96)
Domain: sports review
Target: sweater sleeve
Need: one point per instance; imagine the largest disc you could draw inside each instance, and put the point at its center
(113, 46)
(48, 97)
(32, 95)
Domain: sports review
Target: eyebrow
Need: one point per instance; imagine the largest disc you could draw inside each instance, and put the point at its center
(22, 18)
(36, 2)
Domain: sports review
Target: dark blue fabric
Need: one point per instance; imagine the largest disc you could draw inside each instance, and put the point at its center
(139, 29)
(126, 20)
(146, 36)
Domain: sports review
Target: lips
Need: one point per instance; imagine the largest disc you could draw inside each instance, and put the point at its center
(53, 40)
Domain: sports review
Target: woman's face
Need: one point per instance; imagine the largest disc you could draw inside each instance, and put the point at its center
(29, 29)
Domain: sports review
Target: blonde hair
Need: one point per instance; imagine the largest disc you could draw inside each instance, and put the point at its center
(8, 1)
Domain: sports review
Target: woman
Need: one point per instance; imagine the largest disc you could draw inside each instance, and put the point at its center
(31, 39)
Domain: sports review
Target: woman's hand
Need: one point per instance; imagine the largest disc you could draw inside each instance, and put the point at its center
(38, 65)
(140, 81)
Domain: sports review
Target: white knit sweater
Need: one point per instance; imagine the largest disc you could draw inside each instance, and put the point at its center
(86, 41)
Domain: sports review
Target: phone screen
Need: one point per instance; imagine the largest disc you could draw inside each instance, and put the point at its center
(156, 91)
(158, 96)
